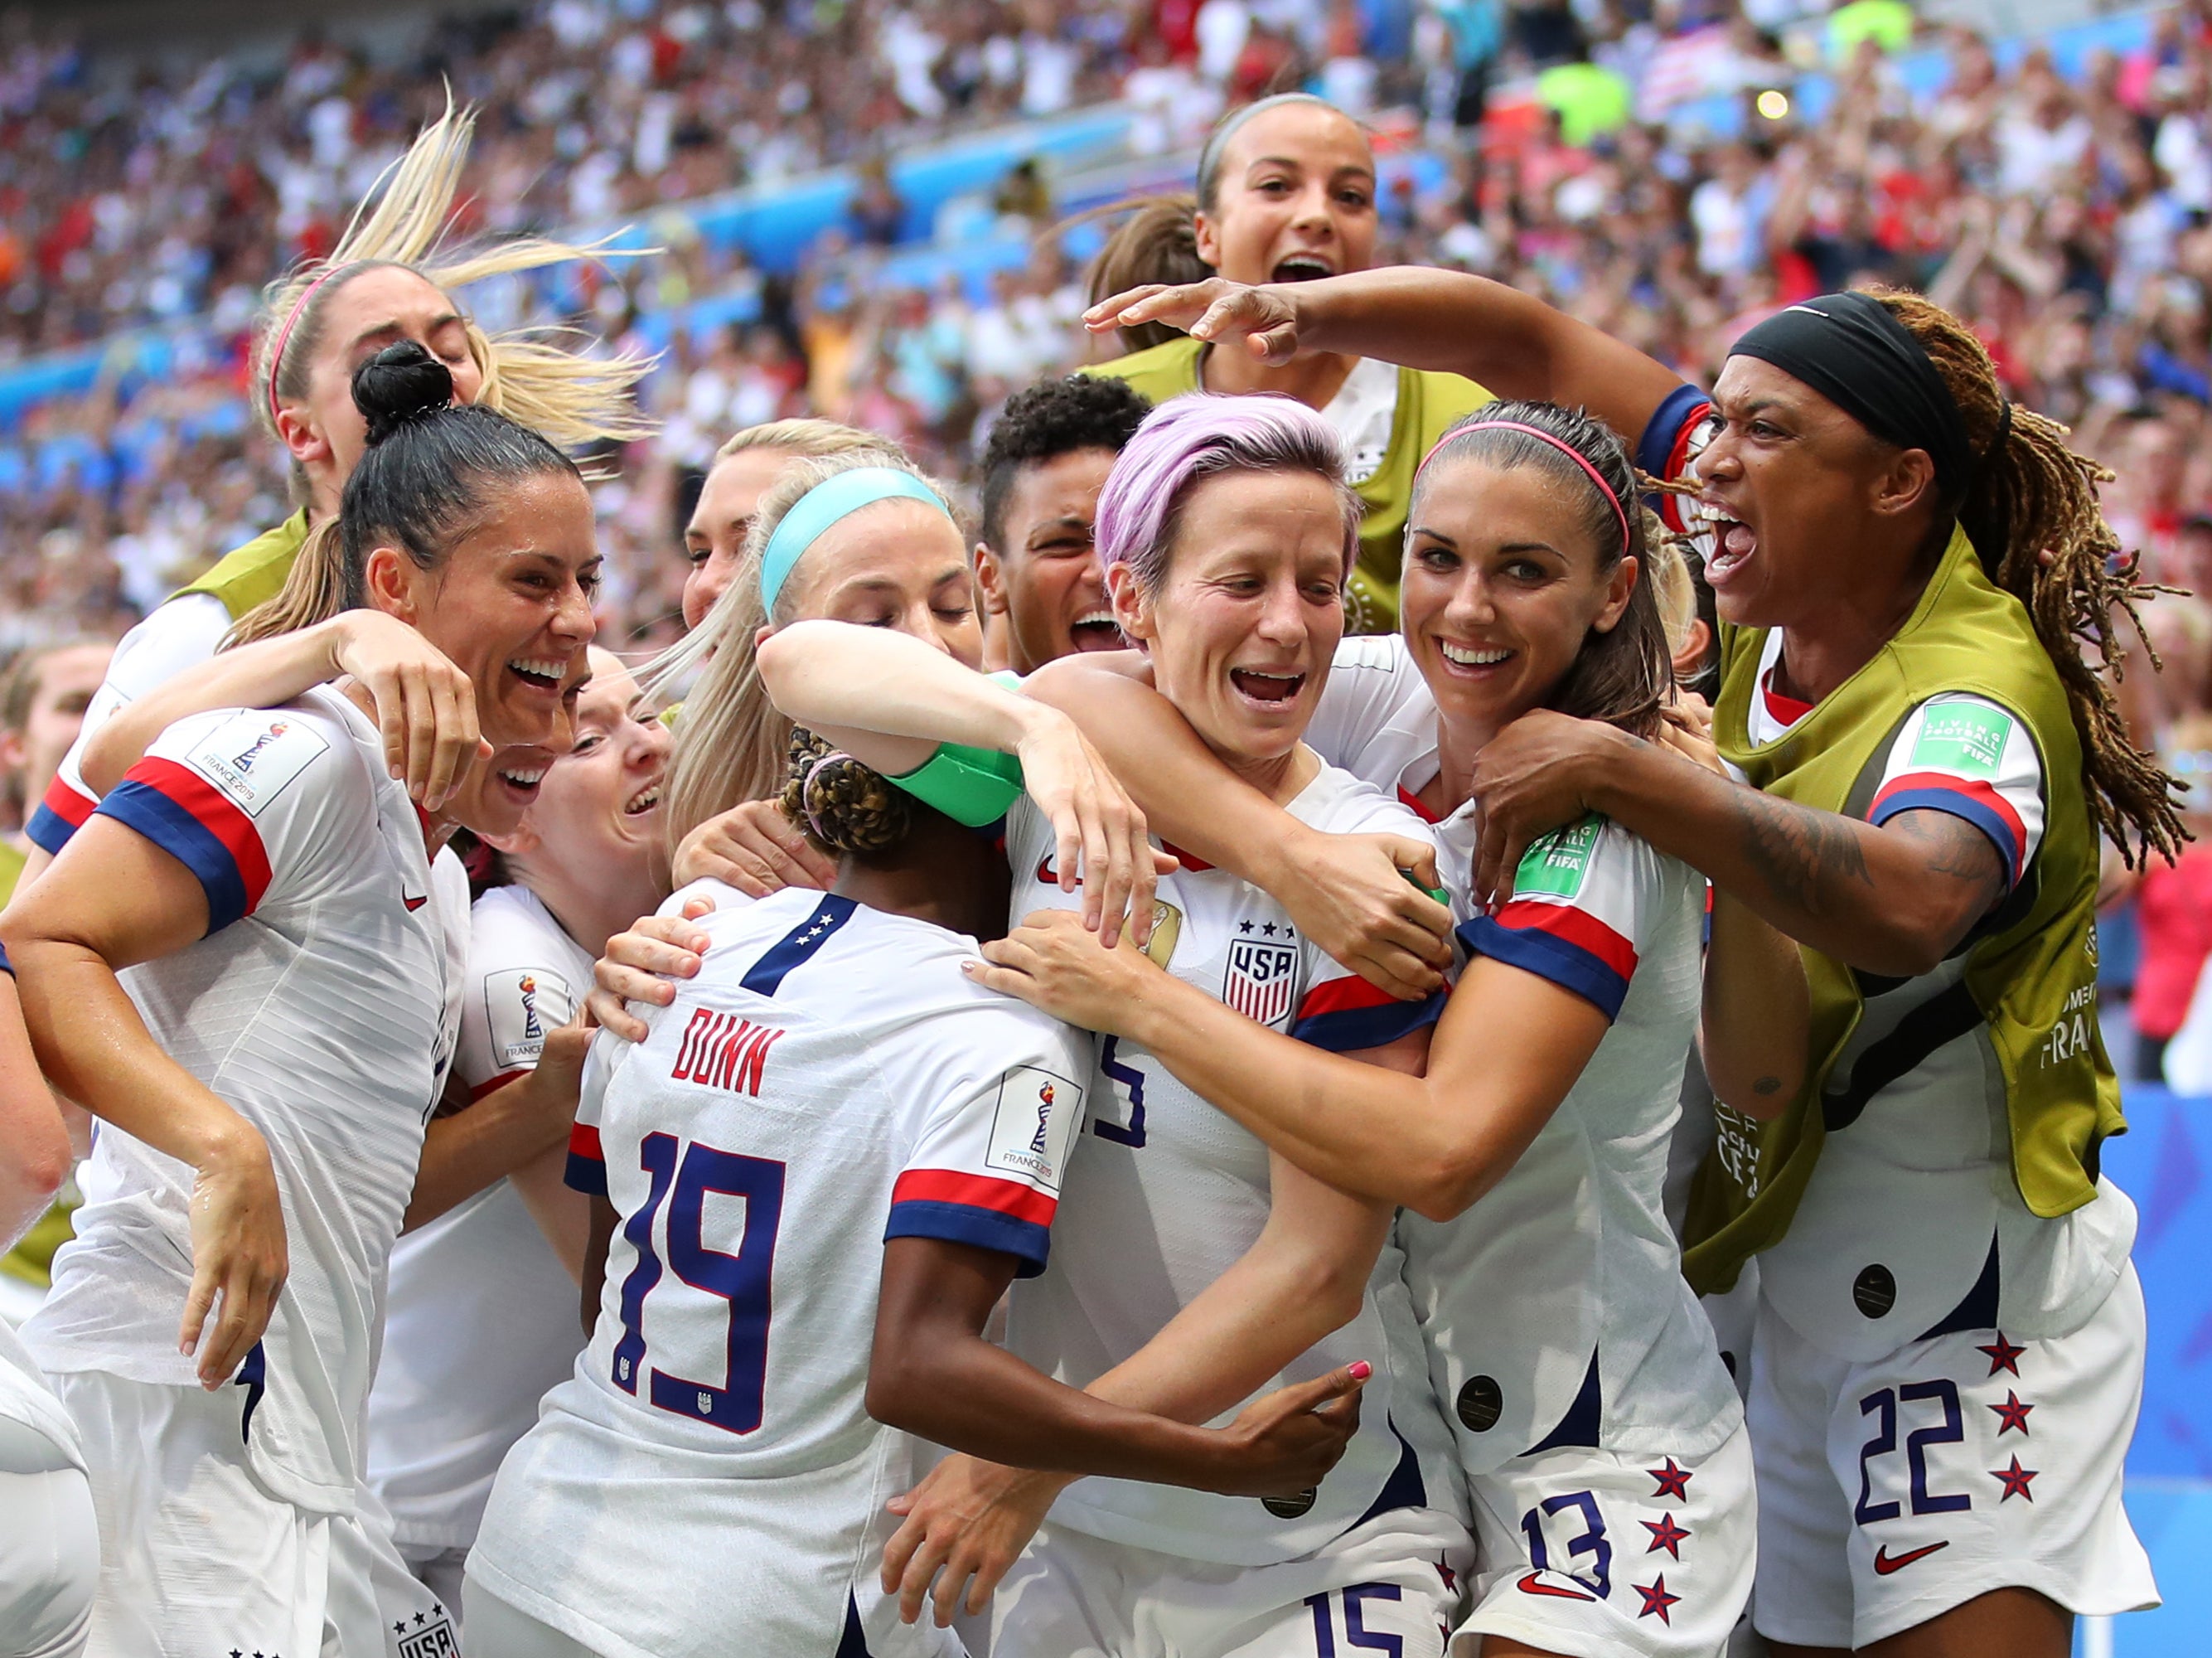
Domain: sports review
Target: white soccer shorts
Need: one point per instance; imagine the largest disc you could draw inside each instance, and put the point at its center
(1893, 1491)
(1594, 1555)
(49, 1547)
(198, 1558)
(1392, 1584)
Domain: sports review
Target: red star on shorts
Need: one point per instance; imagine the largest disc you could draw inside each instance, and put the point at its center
(1655, 1599)
(1665, 1534)
(2004, 1356)
(1673, 1481)
(1450, 1578)
(2015, 1480)
(2011, 1414)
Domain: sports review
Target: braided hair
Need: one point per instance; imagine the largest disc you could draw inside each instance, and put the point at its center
(839, 804)
(2032, 496)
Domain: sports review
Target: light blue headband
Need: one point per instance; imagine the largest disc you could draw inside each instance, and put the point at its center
(823, 506)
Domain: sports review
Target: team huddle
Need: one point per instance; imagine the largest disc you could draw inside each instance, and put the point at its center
(1427, 997)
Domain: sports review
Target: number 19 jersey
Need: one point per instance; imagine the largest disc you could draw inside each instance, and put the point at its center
(709, 1479)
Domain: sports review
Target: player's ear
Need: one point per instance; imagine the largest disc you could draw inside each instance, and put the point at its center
(990, 579)
(1130, 612)
(391, 582)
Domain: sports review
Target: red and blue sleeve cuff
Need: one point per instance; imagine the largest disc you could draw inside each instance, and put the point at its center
(1663, 449)
(1345, 1015)
(587, 1165)
(975, 1209)
(1976, 802)
(184, 815)
(60, 814)
(1571, 948)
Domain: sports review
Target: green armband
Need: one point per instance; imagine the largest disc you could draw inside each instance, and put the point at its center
(973, 786)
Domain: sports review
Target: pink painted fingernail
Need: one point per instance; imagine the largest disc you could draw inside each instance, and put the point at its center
(1361, 1369)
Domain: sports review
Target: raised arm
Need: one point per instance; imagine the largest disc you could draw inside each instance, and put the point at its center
(891, 701)
(113, 899)
(425, 706)
(1513, 343)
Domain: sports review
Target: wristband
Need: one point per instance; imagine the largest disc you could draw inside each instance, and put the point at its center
(971, 786)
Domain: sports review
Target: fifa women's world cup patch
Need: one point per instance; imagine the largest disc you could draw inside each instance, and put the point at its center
(520, 1007)
(1035, 1121)
(252, 757)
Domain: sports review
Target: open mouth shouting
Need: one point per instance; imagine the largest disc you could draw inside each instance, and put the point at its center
(1304, 266)
(1735, 543)
(1097, 629)
(516, 773)
(544, 673)
(1267, 689)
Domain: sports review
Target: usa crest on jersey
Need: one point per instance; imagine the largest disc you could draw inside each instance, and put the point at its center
(1263, 979)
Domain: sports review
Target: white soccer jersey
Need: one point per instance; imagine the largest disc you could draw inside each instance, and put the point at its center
(1555, 1309)
(323, 1005)
(1168, 1193)
(829, 1080)
(481, 1317)
(180, 634)
(1912, 1224)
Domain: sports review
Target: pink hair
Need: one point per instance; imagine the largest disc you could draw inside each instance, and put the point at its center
(1200, 435)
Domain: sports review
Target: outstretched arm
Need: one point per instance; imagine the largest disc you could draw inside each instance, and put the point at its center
(1896, 899)
(1512, 343)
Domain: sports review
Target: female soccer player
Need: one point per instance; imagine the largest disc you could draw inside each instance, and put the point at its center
(1229, 534)
(1572, 1357)
(1286, 194)
(295, 940)
(504, 1264)
(1948, 1354)
(827, 1082)
(49, 1543)
(389, 278)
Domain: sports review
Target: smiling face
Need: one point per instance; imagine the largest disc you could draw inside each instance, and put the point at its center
(1503, 584)
(716, 537)
(1789, 484)
(1247, 611)
(380, 307)
(1294, 199)
(511, 604)
(898, 563)
(1045, 581)
(598, 808)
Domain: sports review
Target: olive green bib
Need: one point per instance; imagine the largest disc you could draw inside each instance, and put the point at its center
(1428, 402)
(2030, 982)
(255, 573)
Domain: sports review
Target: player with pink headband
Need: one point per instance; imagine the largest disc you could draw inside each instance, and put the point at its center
(1601, 1435)
(391, 276)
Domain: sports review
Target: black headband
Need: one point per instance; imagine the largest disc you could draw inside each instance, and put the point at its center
(1852, 350)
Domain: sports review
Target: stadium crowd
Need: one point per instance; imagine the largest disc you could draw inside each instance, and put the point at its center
(2071, 221)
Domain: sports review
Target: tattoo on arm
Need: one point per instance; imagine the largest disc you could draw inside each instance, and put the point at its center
(1801, 853)
(1954, 848)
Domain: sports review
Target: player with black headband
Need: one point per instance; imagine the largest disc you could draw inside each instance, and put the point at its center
(1948, 1348)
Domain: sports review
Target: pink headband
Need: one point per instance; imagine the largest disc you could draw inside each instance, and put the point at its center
(806, 787)
(284, 333)
(1566, 448)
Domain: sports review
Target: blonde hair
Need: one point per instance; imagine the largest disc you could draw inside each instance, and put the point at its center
(732, 745)
(571, 398)
(808, 438)
(1668, 572)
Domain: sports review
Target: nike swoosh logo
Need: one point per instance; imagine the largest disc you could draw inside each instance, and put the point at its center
(1530, 1585)
(1885, 1562)
(414, 904)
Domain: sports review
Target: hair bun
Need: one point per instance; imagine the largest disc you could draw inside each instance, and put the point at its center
(401, 383)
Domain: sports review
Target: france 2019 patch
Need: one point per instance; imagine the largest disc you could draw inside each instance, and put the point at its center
(1559, 863)
(1034, 1123)
(1968, 738)
(520, 1007)
(252, 757)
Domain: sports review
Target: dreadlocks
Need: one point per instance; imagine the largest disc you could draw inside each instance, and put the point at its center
(2032, 515)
